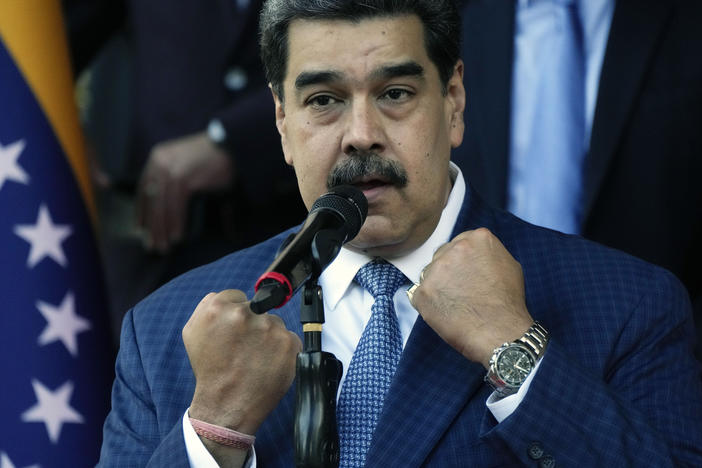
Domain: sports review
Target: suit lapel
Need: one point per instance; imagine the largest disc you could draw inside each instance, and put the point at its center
(432, 383)
(637, 26)
(488, 50)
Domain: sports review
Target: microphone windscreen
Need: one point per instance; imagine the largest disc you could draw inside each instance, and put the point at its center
(347, 201)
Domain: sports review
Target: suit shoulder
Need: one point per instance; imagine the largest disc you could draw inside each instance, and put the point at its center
(579, 271)
(239, 270)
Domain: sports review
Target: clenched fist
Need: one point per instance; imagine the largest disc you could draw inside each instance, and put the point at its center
(472, 295)
(243, 363)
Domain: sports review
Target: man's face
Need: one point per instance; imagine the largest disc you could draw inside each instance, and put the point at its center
(368, 92)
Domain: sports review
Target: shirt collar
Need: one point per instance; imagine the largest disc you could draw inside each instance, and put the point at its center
(338, 276)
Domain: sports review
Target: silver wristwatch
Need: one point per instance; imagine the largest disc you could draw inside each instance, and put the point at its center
(511, 363)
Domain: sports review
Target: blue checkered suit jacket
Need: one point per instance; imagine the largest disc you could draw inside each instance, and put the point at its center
(617, 387)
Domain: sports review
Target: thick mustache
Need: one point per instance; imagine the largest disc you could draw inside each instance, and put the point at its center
(367, 164)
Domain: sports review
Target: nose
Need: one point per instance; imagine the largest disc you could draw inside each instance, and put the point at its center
(364, 130)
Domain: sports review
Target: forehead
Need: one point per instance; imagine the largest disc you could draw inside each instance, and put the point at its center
(354, 48)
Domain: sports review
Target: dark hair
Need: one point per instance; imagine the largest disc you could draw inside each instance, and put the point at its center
(440, 19)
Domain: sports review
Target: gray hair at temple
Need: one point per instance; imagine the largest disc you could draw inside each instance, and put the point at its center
(441, 20)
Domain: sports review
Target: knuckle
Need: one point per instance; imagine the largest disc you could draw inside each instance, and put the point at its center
(463, 246)
(266, 325)
(271, 326)
(238, 316)
(216, 304)
(275, 320)
(211, 313)
(236, 295)
(439, 265)
(462, 235)
(482, 232)
(482, 235)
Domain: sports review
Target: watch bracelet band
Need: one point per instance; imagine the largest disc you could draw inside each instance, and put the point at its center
(535, 339)
(534, 342)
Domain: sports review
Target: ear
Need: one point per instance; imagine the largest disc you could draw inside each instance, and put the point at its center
(280, 123)
(456, 102)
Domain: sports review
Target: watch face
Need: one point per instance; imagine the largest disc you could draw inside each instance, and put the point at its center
(514, 365)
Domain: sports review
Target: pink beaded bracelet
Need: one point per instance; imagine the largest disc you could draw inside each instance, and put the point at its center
(222, 435)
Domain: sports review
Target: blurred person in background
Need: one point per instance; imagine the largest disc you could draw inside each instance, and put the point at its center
(585, 117)
(179, 116)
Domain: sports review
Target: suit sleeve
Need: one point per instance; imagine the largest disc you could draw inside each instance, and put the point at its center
(131, 435)
(643, 409)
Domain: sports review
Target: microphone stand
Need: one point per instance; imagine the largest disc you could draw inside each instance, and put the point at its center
(318, 372)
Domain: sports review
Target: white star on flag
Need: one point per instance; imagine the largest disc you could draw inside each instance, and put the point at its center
(5, 462)
(45, 238)
(52, 408)
(9, 168)
(62, 323)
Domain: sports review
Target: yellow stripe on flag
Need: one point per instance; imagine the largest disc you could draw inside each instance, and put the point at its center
(34, 34)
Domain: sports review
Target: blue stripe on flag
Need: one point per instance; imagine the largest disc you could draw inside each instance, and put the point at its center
(56, 358)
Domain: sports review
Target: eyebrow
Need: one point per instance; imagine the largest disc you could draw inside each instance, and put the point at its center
(305, 79)
(411, 68)
(310, 78)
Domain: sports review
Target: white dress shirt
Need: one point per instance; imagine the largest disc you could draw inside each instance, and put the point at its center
(347, 309)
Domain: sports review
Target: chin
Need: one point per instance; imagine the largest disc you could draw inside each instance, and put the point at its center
(377, 246)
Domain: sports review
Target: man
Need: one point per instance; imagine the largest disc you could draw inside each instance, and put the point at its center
(371, 94)
(634, 184)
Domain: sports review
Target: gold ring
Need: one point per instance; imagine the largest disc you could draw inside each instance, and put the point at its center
(410, 292)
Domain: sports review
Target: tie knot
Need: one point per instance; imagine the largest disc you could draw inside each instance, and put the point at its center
(380, 278)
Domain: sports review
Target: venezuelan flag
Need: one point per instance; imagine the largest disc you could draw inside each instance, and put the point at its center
(55, 352)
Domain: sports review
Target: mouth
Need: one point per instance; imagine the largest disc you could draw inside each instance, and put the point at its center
(367, 183)
(372, 186)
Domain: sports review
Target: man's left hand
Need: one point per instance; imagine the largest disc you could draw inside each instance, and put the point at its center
(472, 295)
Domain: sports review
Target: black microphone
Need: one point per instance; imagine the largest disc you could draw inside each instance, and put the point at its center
(334, 219)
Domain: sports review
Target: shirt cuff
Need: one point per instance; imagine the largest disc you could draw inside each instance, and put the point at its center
(502, 407)
(198, 455)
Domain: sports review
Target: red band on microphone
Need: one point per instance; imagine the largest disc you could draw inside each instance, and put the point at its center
(274, 275)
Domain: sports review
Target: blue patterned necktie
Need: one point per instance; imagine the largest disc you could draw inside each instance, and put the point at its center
(552, 167)
(373, 364)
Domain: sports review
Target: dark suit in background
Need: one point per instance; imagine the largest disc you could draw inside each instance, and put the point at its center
(642, 191)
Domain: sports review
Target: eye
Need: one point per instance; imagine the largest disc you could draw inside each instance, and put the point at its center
(322, 101)
(397, 94)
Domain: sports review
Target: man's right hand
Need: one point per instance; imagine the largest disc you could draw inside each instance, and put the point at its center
(243, 363)
(175, 171)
